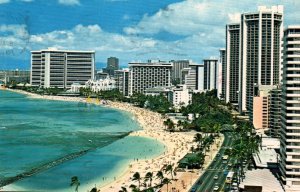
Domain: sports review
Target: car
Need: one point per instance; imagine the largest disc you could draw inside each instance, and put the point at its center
(216, 188)
(193, 189)
(234, 184)
(229, 164)
(218, 154)
(216, 177)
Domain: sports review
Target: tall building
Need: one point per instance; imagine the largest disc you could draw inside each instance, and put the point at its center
(178, 65)
(122, 81)
(210, 74)
(223, 73)
(148, 75)
(61, 68)
(192, 77)
(275, 112)
(232, 63)
(290, 114)
(261, 34)
(112, 65)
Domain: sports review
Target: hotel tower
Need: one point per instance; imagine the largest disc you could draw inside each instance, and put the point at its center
(260, 51)
(290, 110)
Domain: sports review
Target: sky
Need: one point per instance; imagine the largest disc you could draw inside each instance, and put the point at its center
(132, 30)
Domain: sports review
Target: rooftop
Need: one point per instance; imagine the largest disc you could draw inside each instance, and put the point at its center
(266, 158)
(263, 178)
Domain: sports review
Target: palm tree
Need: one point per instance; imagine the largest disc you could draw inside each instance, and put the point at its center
(167, 181)
(149, 176)
(137, 177)
(198, 139)
(167, 122)
(169, 169)
(217, 128)
(123, 189)
(75, 181)
(160, 176)
(134, 188)
(171, 126)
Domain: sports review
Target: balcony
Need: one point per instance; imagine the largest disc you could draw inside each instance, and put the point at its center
(293, 173)
(292, 147)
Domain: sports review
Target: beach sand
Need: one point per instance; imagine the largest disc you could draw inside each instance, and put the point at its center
(177, 144)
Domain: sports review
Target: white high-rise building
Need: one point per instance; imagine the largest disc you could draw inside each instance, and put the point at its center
(261, 38)
(148, 75)
(290, 110)
(122, 81)
(193, 77)
(61, 68)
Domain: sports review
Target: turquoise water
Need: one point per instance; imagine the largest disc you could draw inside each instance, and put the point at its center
(34, 132)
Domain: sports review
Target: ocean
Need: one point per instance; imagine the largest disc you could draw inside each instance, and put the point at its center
(58, 140)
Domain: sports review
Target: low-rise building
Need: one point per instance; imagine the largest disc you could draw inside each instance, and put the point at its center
(259, 112)
(75, 87)
(178, 95)
(101, 84)
(260, 180)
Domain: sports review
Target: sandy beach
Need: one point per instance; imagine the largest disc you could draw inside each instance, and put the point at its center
(177, 144)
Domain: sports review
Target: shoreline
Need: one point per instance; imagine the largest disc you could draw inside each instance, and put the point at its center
(176, 144)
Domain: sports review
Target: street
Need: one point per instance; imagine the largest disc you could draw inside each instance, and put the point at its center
(218, 167)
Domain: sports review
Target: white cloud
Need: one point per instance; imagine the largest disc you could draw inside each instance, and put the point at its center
(183, 18)
(69, 2)
(4, 1)
(199, 28)
(92, 37)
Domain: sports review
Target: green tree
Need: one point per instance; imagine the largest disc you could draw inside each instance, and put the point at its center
(137, 177)
(149, 177)
(198, 139)
(123, 189)
(167, 181)
(75, 182)
(170, 169)
(160, 176)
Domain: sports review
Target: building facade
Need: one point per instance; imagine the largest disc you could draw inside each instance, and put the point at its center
(122, 81)
(274, 112)
(290, 110)
(232, 63)
(112, 65)
(178, 65)
(210, 76)
(222, 61)
(193, 76)
(61, 68)
(148, 75)
(101, 84)
(261, 34)
(180, 96)
(260, 109)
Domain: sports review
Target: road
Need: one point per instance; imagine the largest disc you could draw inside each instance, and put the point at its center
(207, 182)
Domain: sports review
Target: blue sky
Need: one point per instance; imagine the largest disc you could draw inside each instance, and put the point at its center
(132, 30)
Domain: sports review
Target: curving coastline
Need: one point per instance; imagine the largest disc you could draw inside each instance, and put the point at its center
(176, 144)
